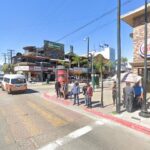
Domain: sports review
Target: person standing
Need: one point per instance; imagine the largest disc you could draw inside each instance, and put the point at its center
(138, 91)
(89, 94)
(84, 89)
(57, 88)
(64, 89)
(76, 91)
(128, 92)
(114, 93)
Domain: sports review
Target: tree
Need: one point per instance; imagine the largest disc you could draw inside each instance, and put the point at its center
(76, 60)
(99, 63)
(110, 66)
(65, 64)
(8, 68)
(124, 60)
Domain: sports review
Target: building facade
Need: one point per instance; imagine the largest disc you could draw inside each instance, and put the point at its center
(38, 64)
(135, 19)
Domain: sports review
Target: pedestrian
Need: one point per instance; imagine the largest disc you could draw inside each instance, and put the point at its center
(138, 98)
(128, 92)
(57, 88)
(76, 90)
(84, 89)
(89, 94)
(114, 93)
(64, 89)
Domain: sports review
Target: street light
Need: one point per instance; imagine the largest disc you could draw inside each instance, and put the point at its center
(87, 39)
(144, 112)
(92, 66)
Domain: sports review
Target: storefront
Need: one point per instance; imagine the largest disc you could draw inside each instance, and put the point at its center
(35, 73)
(135, 19)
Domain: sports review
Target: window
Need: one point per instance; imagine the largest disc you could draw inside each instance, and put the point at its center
(6, 80)
(18, 81)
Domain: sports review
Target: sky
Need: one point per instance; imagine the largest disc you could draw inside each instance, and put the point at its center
(29, 22)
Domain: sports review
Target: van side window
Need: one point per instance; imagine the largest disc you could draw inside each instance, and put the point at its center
(6, 80)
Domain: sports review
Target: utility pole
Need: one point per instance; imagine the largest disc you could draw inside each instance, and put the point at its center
(119, 56)
(4, 55)
(144, 112)
(10, 54)
(88, 47)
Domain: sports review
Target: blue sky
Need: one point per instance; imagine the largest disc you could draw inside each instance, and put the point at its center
(29, 22)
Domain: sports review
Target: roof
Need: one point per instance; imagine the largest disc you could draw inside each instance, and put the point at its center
(14, 76)
(129, 17)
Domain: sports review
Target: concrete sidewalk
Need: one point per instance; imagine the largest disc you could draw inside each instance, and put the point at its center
(132, 120)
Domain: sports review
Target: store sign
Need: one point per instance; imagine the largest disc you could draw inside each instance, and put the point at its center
(82, 70)
(37, 68)
(21, 68)
(142, 49)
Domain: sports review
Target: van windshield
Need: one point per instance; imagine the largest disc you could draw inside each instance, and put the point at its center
(18, 81)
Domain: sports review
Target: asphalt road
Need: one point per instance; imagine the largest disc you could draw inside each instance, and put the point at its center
(29, 122)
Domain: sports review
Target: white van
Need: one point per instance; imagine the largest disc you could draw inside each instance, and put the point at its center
(14, 82)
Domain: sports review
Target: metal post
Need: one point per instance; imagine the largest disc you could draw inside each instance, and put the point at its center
(144, 112)
(92, 75)
(41, 71)
(88, 58)
(119, 57)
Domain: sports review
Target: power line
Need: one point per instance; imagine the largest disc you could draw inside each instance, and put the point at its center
(92, 21)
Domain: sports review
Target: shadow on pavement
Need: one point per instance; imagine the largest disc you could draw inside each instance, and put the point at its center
(28, 91)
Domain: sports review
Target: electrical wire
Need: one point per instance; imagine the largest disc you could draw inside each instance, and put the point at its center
(92, 21)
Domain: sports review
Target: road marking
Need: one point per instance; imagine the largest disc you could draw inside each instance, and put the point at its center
(71, 136)
(53, 119)
(28, 123)
(68, 138)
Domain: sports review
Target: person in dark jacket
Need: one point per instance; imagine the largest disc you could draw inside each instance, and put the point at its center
(57, 88)
(128, 92)
(114, 93)
(84, 89)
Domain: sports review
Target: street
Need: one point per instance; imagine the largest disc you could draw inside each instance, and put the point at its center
(29, 122)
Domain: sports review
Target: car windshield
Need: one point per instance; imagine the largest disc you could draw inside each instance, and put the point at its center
(18, 81)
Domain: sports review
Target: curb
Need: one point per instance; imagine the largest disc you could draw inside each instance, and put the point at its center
(123, 122)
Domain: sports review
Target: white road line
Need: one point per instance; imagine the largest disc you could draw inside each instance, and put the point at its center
(71, 136)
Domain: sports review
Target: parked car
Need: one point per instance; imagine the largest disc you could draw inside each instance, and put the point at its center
(13, 83)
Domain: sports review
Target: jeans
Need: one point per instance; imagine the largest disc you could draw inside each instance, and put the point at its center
(89, 104)
(86, 100)
(76, 98)
(129, 103)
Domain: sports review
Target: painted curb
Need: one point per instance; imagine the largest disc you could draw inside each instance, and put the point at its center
(123, 122)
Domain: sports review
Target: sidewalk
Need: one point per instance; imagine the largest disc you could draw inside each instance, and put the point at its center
(131, 120)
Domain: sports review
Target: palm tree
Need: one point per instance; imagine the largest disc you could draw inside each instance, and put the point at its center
(76, 60)
(99, 63)
(63, 63)
(110, 66)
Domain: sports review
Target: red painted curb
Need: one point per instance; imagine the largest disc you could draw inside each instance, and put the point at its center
(123, 122)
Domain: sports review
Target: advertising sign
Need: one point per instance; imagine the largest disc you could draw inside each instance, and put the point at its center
(142, 48)
(54, 50)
